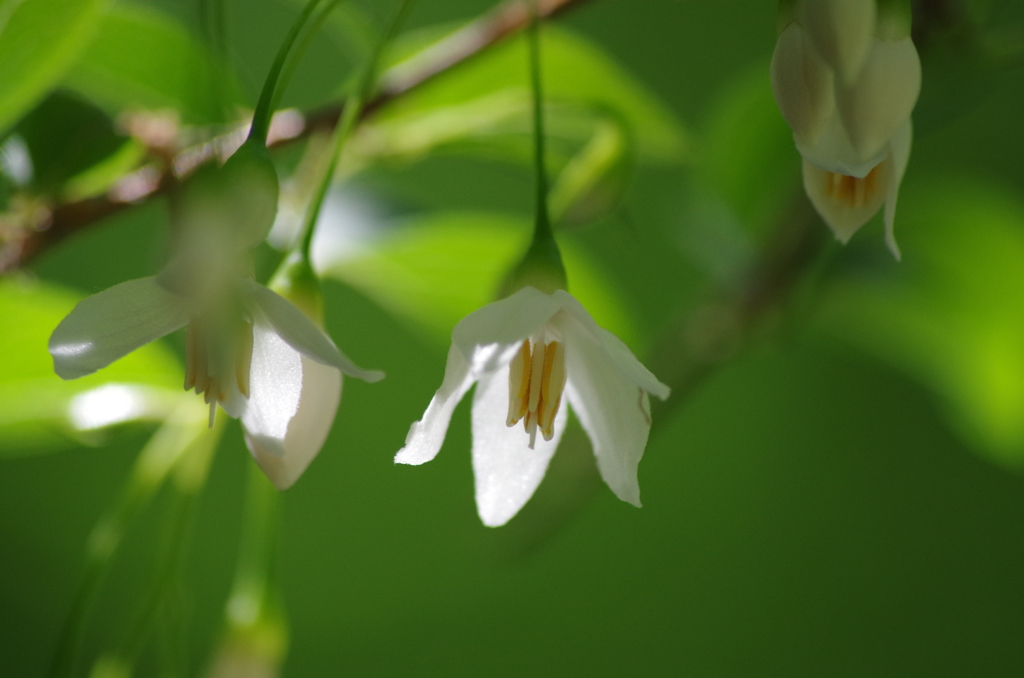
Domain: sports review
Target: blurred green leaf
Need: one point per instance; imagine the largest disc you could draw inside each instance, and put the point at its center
(953, 313)
(143, 58)
(748, 155)
(39, 40)
(594, 181)
(439, 268)
(41, 412)
(65, 137)
(485, 102)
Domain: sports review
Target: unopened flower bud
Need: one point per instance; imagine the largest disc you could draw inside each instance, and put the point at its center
(846, 77)
(842, 32)
(251, 189)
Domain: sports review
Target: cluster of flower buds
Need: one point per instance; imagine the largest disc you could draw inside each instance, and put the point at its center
(846, 76)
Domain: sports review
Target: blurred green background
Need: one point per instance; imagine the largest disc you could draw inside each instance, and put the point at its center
(844, 499)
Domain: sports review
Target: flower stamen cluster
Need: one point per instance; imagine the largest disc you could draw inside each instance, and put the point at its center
(536, 380)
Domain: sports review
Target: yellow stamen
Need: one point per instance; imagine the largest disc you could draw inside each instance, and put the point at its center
(518, 384)
(535, 384)
(200, 368)
(852, 191)
(551, 387)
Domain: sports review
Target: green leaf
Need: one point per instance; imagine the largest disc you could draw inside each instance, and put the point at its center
(39, 411)
(436, 269)
(39, 40)
(487, 99)
(952, 314)
(748, 156)
(146, 59)
(65, 137)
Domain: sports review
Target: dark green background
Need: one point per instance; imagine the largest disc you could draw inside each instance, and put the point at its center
(809, 512)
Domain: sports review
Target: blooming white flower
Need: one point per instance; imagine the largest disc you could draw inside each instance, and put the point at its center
(846, 78)
(253, 352)
(524, 350)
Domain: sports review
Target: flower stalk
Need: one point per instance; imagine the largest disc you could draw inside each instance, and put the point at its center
(541, 266)
(350, 115)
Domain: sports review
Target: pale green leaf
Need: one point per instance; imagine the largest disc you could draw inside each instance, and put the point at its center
(952, 314)
(39, 40)
(145, 59)
(486, 102)
(38, 410)
(748, 156)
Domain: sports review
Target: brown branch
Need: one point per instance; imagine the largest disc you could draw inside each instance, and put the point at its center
(476, 37)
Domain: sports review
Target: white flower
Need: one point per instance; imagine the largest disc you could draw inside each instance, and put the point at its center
(248, 349)
(846, 79)
(524, 350)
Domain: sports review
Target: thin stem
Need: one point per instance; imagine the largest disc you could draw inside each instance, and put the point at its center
(541, 267)
(350, 115)
(261, 118)
(296, 56)
(543, 218)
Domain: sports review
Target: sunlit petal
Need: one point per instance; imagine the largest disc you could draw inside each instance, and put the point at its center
(427, 435)
(302, 334)
(613, 410)
(275, 385)
(616, 352)
(307, 429)
(113, 323)
(506, 470)
(504, 324)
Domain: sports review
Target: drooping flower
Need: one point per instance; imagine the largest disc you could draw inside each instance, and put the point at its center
(533, 355)
(257, 355)
(846, 77)
(247, 348)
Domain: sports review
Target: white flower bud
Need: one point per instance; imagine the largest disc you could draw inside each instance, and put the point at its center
(842, 32)
(803, 85)
(882, 97)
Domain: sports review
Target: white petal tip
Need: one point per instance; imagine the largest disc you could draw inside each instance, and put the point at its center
(369, 376)
(895, 249)
(662, 392)
(411, 457)
(495, 521)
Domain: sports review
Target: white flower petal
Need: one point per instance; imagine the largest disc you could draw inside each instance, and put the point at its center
(427, 435)
(307, 430)
(112, 324)
(506, 470)
(275, 383)
(882, 97)
(834, 151)
(900, 157)
(842, 31)
(503, 324)
(845, 214)
(302, 334)
(618, 354)
(802, 83)
(614, 411)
